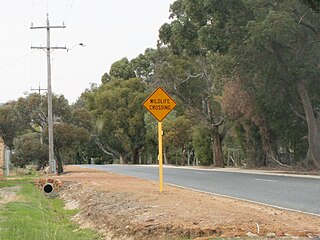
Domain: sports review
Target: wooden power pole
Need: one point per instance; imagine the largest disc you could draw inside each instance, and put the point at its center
(48, 48)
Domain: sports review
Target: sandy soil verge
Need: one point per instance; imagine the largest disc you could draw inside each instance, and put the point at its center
(123, 207)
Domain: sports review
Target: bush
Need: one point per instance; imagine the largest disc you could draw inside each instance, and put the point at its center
(28, 150)
(202, 145)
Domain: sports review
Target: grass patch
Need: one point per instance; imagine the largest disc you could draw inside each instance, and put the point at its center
(37, 217)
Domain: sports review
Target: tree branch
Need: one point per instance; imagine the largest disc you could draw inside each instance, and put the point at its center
(109, 152)
(217, 123)
(297, 113)
(305, 23)
(226, 129)
(278, 162)
(189, 76)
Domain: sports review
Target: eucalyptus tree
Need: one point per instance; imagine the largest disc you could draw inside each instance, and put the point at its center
(23, 125)
(144, 65)
(9, 124)
(177, 140)
(32, 110)
(122, 69)
(29, 150)
(279, 61)
(116, 108)
(200, 36)
(69, 141)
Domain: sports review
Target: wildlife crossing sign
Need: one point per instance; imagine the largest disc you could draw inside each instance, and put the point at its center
(159, 104)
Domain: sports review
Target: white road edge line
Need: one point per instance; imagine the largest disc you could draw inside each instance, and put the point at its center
(226, 170)
(265, 180)
(242, 199)
(215, 194)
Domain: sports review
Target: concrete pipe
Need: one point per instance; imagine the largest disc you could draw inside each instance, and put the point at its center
(48, 188)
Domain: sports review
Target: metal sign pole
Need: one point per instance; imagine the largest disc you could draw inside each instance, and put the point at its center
(160, 133)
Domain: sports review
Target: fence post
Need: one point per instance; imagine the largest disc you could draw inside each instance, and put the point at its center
(7, 161)
(1, 156)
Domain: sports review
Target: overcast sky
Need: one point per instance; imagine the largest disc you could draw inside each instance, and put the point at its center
(110, 29)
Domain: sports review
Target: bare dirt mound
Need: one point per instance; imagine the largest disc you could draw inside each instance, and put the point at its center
(8, 194)
(124, 207)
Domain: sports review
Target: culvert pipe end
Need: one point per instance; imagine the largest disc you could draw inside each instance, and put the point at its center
(48, 188)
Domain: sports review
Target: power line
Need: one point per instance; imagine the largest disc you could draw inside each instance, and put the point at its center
(69, 12)
(16, 60)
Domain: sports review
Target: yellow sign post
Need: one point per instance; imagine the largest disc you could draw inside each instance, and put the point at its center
(160, 133)
(159, 104)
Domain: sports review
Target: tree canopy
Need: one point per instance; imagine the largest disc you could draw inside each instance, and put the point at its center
(245, 75)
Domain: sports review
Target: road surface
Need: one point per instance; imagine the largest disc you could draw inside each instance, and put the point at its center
(289, 192)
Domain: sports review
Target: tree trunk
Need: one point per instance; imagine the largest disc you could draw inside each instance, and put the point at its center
(60, 166)
(217, 150)
(165, 155)
(58, 162)
(123, 158)
(183, 157)
(135, 157)
(176, 158)
(150, 158)
(140, 157)
(313, 131)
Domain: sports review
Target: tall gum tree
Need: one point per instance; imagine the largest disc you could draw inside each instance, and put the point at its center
(118, 114)
(202, 32)
(281, 50)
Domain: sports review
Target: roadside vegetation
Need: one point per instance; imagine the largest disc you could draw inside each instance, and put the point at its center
(245, 76)
(30, 215)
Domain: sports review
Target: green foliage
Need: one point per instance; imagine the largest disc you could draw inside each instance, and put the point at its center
(279, 53)
(177, 131)
(69, 142)
(29, 150)
(202, 144)
(199, 27)
(105, 78)
(144, 64)
(150, 150)
(24, 122)
(32, 110)
(177, 137)
(81, 117)
(121, 69)
(9, 124)
(200, 37)
(117, 110)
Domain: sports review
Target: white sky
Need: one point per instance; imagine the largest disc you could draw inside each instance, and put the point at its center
(110, 29)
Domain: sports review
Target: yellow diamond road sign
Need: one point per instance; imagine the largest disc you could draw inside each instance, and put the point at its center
(159, 104)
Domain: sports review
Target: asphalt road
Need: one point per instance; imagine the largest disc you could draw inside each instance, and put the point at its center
(295, 193)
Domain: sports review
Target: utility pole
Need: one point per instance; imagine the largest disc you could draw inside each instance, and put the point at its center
(48, 48)
(39, 89)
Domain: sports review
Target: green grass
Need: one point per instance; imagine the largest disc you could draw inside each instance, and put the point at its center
(37, 217)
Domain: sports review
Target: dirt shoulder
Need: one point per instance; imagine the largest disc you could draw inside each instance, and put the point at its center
(123, 207)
